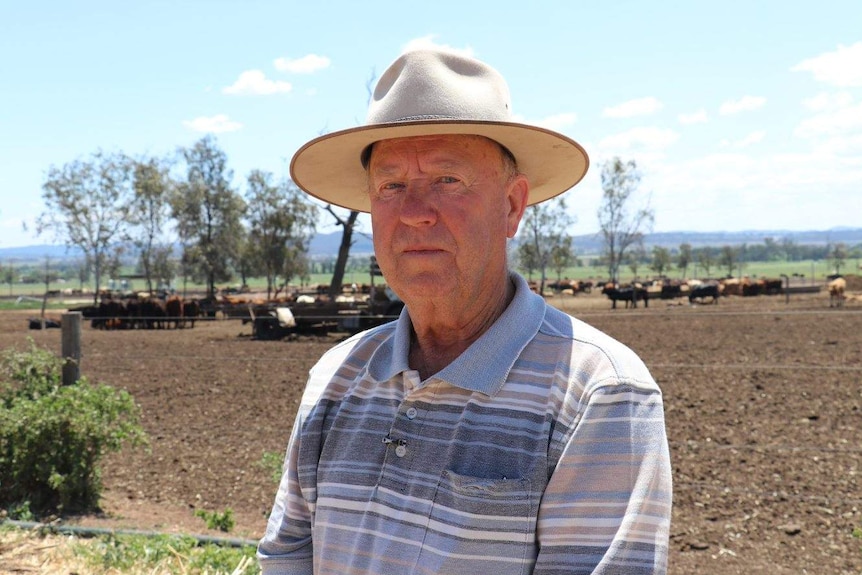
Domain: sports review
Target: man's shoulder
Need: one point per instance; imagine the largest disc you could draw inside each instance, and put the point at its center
(363, 342)
(357, 350)
(605, 358)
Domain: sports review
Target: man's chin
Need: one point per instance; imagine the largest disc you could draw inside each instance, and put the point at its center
(421, 286)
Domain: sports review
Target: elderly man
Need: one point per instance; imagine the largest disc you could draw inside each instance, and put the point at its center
(483, 432)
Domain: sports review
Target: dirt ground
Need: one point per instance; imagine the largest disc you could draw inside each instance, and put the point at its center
(763, 401)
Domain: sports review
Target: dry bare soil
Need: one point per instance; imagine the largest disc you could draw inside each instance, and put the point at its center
(763, 401)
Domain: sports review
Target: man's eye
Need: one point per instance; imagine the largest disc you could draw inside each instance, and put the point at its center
(449, 185)
(389, 189)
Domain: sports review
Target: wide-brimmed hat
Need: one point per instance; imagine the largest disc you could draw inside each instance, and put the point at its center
(434, 92)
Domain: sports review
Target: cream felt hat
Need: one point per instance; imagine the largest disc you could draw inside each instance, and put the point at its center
(433, 92)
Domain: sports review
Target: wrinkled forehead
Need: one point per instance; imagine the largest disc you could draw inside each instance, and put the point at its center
(464, 146)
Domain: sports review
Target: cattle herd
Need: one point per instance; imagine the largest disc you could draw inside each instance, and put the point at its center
(142, 312)
(696, 291)
(151, 312)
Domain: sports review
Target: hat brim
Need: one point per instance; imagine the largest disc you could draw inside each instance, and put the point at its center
(330, 169)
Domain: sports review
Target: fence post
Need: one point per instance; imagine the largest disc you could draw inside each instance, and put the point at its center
(71, 346)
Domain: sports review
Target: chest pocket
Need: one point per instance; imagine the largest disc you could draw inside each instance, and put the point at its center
(480, 525)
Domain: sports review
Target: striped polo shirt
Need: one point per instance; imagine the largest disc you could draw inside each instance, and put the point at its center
(541, 449)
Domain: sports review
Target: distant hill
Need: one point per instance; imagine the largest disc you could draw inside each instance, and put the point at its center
(327, 244)
(592, 243)
(38, 253)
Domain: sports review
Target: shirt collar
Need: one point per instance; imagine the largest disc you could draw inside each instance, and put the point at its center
(485, 365)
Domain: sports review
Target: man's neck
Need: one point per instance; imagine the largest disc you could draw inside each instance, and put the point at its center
(441, 333)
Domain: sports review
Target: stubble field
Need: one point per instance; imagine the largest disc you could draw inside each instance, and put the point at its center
(763, 403)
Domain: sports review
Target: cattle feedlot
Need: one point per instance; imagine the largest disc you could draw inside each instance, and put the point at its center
(763, 400)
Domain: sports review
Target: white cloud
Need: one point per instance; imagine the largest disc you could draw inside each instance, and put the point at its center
(214, 124)
(640, 138)
(698, 117)
(744, 104)
(825, 101)
(255, 83)
(848, 149)
(843, 67)
(558, 121)
(846, 120)
(305, 65)
(632, 108)
(752, 138)
(427, 42)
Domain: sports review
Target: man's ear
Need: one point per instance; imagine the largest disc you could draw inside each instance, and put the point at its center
(517, 191)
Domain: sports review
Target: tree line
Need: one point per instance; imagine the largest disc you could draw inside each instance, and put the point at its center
(625, 220)
(109, 202)
(108, 205)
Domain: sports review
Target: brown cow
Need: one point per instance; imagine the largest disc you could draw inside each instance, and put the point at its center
(836, 292)
(732, 286)
(174, 311)
(152, 313)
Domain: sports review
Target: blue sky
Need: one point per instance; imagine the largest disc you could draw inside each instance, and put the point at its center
(741, 115)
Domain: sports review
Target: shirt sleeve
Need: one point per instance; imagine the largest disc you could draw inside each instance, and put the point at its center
(286, 548)
(607, 505)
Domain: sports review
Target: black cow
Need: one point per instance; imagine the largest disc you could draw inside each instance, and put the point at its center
(191, 311)
(628, 294)
(671, 291)
(111, 314)
(42, 323)
(773, 286)
(704, 291)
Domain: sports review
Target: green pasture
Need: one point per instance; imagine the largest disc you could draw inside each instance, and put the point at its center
(804, 272)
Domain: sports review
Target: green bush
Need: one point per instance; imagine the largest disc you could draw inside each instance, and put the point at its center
(215, 520)
(53, 437)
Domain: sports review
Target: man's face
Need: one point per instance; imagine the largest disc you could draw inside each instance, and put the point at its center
(442, 208)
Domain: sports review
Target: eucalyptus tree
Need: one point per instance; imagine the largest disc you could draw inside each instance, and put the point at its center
(544, 230)
(838, 254)
(281, 224)
(705, 259)
(150, 214)
(7, 275)
(621, 225)
(562, 255)
(527, 259)
(208, 214)
(684, 258)
(164, 265)
(348, 226)
(728, 258)
(87, 205)
(348, 223)
(636, 256)
(661, 260)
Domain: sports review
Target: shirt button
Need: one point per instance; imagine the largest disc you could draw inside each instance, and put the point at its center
(412, 412)
(400, 451)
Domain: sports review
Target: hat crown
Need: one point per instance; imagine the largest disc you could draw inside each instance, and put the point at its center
(437, 85)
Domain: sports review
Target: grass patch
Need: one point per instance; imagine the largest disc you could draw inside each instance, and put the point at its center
(165, 554)
(39, 549)
(30, 304)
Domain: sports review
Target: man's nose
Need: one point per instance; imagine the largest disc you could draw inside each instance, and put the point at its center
(419, 204)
